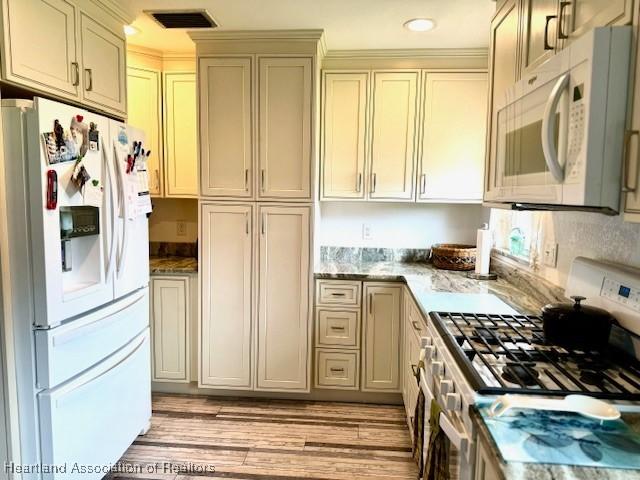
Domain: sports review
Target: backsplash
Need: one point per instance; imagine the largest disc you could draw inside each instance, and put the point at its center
(173, 249)
(357, 255)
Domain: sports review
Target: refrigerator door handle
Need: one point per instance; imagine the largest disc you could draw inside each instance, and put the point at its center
(112, 212)
(123, 246)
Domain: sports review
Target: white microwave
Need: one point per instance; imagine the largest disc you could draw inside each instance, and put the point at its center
(559, 131)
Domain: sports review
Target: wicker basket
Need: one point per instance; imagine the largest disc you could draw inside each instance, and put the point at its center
(452, 256)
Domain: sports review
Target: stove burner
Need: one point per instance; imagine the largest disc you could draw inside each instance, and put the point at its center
(490, 335)
(520, 374)
(590, 377)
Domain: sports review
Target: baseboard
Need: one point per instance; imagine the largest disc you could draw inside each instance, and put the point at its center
(392, 398)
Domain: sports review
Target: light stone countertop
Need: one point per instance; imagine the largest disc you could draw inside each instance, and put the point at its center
(172, 264)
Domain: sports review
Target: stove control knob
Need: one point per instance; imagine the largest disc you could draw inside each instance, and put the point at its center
(436, 368)
(426, 341)
(453, 401)
(428, 352)
(446, 386)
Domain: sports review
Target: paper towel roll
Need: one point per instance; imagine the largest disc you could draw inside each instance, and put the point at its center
(483, 250)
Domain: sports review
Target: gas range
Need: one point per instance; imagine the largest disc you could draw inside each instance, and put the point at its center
(508, 354)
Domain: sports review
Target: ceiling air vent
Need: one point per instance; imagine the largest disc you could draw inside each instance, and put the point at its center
(183, 18)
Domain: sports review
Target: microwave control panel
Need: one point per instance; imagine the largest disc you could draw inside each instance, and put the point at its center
(576, 131)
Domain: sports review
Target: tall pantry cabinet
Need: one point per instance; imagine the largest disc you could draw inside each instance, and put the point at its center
(258, 104)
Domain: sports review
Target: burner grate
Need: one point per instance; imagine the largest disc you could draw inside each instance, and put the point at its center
(508, 354)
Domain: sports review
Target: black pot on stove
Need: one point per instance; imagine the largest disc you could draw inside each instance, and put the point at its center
(576, 326)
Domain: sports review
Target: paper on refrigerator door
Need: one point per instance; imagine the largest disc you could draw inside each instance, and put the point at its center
(144, 199)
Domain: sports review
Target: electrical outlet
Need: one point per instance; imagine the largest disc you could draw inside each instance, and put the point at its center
(181, 228)
(366, 231)
(550, 255)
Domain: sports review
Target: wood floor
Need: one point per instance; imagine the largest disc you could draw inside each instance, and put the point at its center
(270, 439)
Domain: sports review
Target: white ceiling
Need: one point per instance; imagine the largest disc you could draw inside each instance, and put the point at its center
(348, 24)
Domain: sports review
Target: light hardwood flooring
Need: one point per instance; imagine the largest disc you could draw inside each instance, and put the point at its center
(271, 439)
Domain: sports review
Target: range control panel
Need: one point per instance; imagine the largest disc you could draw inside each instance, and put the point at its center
(625, 294)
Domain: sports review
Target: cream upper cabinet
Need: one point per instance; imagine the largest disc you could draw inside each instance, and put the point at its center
(284, 126)
(226, 276)
(381, 337)
(180, 142)
(344, 137)
(102, 54)
(283, 307)
(39, 47)
(226, 127)
(393, 143)
(144, 106)
(503, 72)
(453, 139)
(540, 32)
(580, 16)
(170, 328)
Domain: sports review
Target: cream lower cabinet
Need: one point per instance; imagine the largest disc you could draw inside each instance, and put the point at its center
(170, 328)
(486, 468)
(412, 326)
(381, 337)
(144, 106)
(283, 305)
(226, 276)
(244, 345)
(453, 140)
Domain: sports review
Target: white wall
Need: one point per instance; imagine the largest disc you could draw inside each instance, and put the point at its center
(397, 225)
(166, 213)
(584, 234)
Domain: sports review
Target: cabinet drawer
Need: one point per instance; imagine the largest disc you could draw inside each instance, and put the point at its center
(332, 292)
(337, 369)
(337, 327)
(415, 324)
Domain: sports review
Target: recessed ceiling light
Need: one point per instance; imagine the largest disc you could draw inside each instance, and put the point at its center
(130, 30)
(420, 24)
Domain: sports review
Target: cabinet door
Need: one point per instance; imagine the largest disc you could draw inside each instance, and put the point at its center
(283, 310)
(393, 142)
(485, 466)
(170, 325)
(539, 35)
(226, 234)
(285, 95)
(225, 127)
(381, 340)
(181, 142)
(344, 132)
(143, 111)
(453, 140)
(503, 72)
(103, 65)
(580, 16)
(39, 48)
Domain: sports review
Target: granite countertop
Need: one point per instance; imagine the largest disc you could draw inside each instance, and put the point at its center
(545, 471)
(172, 264)
(423, 278)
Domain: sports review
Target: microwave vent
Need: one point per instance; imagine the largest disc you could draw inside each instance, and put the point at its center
(183, 18)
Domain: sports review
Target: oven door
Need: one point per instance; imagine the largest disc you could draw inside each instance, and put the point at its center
(460, 466)
(531, 141)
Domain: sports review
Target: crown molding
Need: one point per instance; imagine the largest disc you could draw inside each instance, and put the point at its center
(117, 9)
(253, 35)
(164, 55)
(410, 53)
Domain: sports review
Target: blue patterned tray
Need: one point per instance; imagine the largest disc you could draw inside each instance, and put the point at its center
(563, 438)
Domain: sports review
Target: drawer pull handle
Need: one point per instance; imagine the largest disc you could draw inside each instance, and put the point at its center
(547, 45)
(337, 294)
(416, 326)
(561, 34)
(335, 369)
(339, 329)
(76, 73)
(89, 86)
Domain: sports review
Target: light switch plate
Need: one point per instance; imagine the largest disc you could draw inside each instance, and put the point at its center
(550, 255)
(366, 231)
(181, 228)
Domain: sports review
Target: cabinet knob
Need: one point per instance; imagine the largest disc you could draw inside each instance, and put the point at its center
(452, 402)
(446, 386)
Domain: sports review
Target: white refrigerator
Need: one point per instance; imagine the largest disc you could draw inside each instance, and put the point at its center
(78, 290)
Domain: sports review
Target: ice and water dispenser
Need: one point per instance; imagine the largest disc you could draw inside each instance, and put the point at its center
(77, 223)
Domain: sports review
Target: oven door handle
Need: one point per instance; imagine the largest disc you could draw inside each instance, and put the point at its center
(549, 129)
(459, 440)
